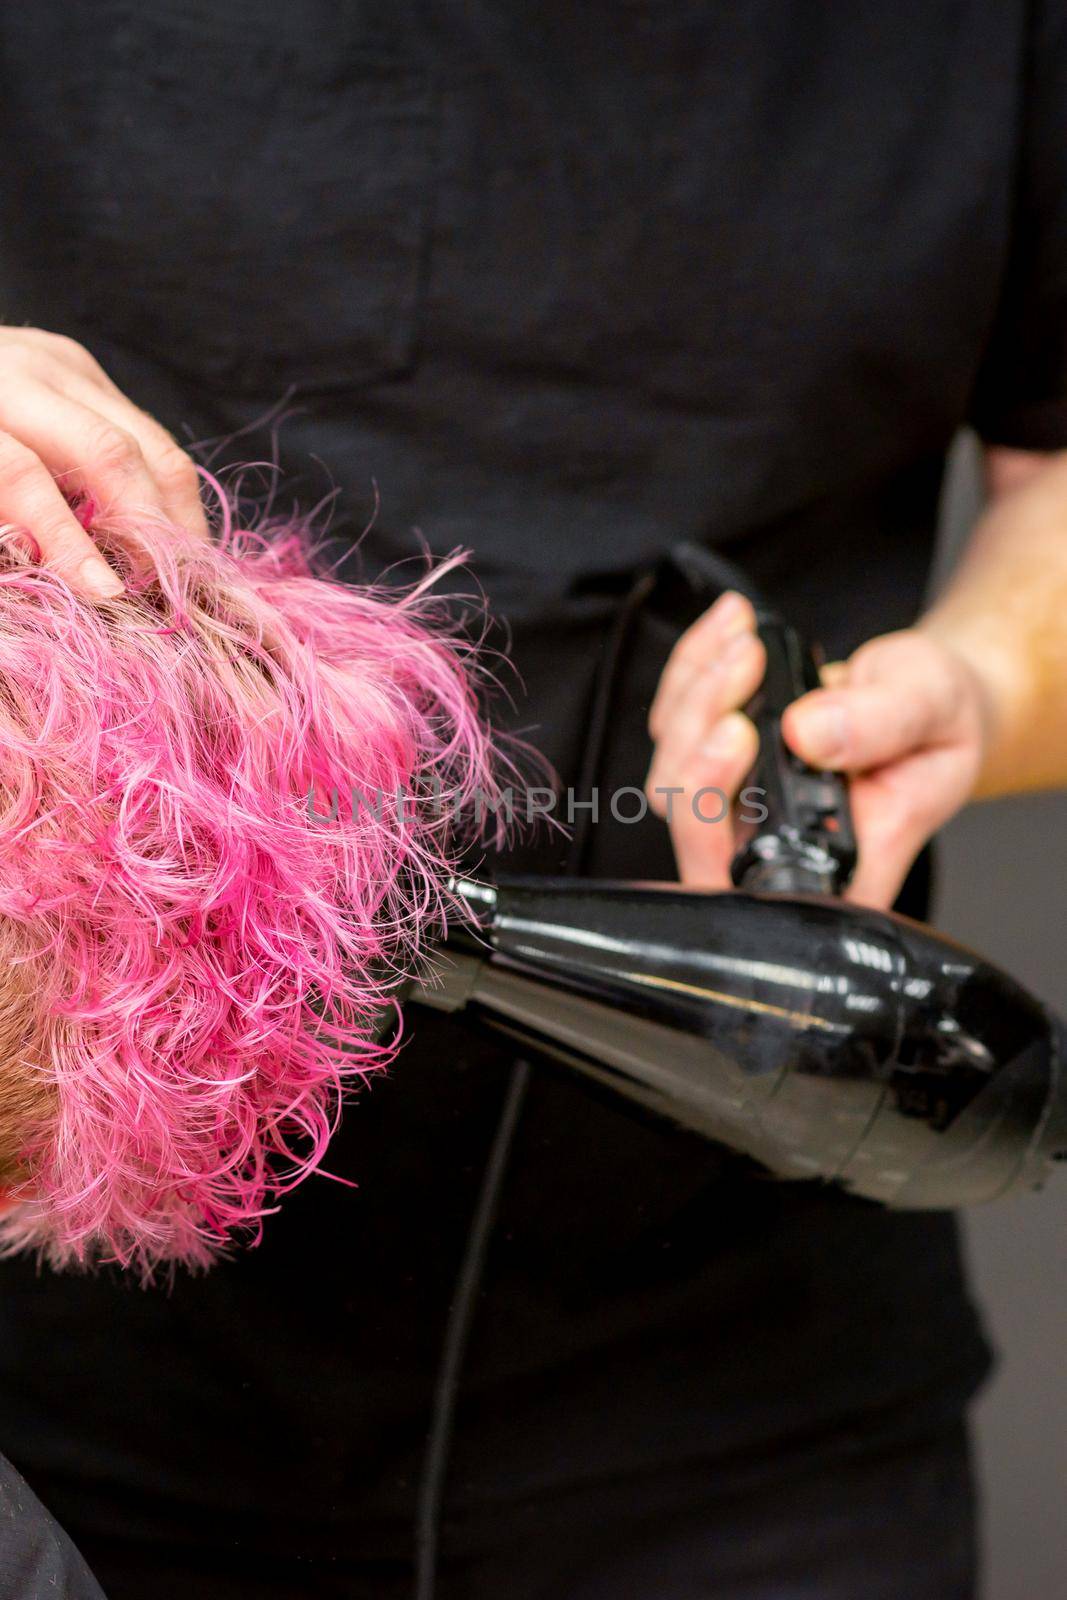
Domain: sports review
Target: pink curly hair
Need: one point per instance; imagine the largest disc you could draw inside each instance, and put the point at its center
(194, 960)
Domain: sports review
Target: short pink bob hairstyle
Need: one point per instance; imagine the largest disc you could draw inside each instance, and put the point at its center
(194, 961)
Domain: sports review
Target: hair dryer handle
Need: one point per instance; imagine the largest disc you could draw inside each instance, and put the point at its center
(805, 843)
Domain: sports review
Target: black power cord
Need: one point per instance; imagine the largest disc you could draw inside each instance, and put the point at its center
(457, 1334)
(472, 1267)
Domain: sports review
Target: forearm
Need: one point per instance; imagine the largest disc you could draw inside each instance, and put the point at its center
(1005, 614)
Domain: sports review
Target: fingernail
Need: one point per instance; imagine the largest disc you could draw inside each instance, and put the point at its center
(729, 608)
(97, 578)
(824, 730)
(725, 738)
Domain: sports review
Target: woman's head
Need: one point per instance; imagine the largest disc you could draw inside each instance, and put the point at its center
(194, 960)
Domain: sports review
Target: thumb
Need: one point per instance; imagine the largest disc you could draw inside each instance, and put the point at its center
(898, 699)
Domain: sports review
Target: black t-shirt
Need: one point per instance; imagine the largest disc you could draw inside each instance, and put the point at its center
(564, 284)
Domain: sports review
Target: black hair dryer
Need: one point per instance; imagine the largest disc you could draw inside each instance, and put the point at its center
(823, 1039)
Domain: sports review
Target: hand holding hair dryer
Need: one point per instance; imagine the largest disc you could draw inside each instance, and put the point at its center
(821, 1038)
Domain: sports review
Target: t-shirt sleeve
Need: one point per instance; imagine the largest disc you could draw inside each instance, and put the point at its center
(37, 1560)
(1020, 396)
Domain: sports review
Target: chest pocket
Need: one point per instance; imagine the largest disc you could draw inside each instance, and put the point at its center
(244, 189)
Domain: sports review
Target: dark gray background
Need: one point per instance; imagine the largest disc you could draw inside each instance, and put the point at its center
(1003, 886)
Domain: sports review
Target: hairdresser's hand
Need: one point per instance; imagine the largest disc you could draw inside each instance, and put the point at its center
(909, 719)
(67, 432)
(704, 746)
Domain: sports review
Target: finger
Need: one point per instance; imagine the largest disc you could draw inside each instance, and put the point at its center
(731, 679)
(701, 828)
(834, 674)
(731, 614)
(879, 878)
(866, 725)
(172, 470)
(888, 837)
(29, 498)
(896, 810)
(83, 450)
(58, 352)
